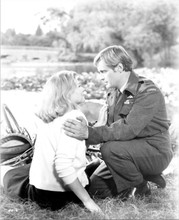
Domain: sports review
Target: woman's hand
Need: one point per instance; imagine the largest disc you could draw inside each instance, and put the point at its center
(83, 195)
(92, 206)
(76, 128)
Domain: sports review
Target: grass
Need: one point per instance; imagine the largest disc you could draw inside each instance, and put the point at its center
(162, 204)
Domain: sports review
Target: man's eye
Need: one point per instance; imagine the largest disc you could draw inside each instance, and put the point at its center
(103, 71)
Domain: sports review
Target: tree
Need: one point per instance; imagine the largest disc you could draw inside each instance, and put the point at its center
(56, 19)
(152, 30)
(39, 31)
(147, 29)
(161, 19)
(8, 37)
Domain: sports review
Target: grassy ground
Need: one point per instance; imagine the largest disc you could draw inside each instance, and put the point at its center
(162, 204)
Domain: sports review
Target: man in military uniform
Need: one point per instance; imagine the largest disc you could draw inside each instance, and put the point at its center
(135, 142)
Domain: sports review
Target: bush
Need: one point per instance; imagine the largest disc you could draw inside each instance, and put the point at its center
(95, 87)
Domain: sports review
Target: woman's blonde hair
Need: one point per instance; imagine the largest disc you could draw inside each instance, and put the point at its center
(56, 95)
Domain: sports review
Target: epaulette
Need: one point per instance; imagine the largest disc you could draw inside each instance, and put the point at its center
(147, 86)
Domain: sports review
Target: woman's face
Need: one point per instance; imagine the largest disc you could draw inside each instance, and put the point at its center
(77, 96)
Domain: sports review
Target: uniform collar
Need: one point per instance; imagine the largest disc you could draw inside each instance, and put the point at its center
(132, 83)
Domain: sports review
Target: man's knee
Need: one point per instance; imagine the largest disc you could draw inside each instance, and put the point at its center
(105, 150)
(115, 148)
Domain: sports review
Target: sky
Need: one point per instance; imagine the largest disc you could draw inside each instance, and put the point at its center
(24, 15)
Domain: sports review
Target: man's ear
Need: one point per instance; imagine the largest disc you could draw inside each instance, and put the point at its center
(119, 68)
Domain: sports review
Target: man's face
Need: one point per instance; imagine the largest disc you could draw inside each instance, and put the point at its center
(111, 77)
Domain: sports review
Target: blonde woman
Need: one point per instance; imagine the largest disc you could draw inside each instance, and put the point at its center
(57, 172)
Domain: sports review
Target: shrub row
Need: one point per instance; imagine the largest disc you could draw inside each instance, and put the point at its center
(94, 87)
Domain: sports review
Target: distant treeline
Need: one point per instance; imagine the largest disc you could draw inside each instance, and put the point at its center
(147, 29)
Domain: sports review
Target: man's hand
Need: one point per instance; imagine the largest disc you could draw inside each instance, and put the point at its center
(76, 128)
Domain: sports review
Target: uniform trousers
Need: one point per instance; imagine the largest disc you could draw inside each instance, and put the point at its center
(125, 165)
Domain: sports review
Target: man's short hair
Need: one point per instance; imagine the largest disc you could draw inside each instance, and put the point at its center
(113, 55)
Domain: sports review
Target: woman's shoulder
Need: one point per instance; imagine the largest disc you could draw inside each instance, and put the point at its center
(74, 113)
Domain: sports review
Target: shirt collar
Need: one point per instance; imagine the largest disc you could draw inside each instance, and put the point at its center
(123, 87)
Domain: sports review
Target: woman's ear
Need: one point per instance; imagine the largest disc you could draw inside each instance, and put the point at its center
(119, 68)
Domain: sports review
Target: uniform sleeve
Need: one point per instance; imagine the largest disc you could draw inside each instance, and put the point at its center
(145, 107)
(65, 155)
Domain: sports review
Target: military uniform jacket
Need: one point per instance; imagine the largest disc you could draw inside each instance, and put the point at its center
(138, 112)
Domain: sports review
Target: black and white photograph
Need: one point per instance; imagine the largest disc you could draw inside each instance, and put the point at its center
(89, 109)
